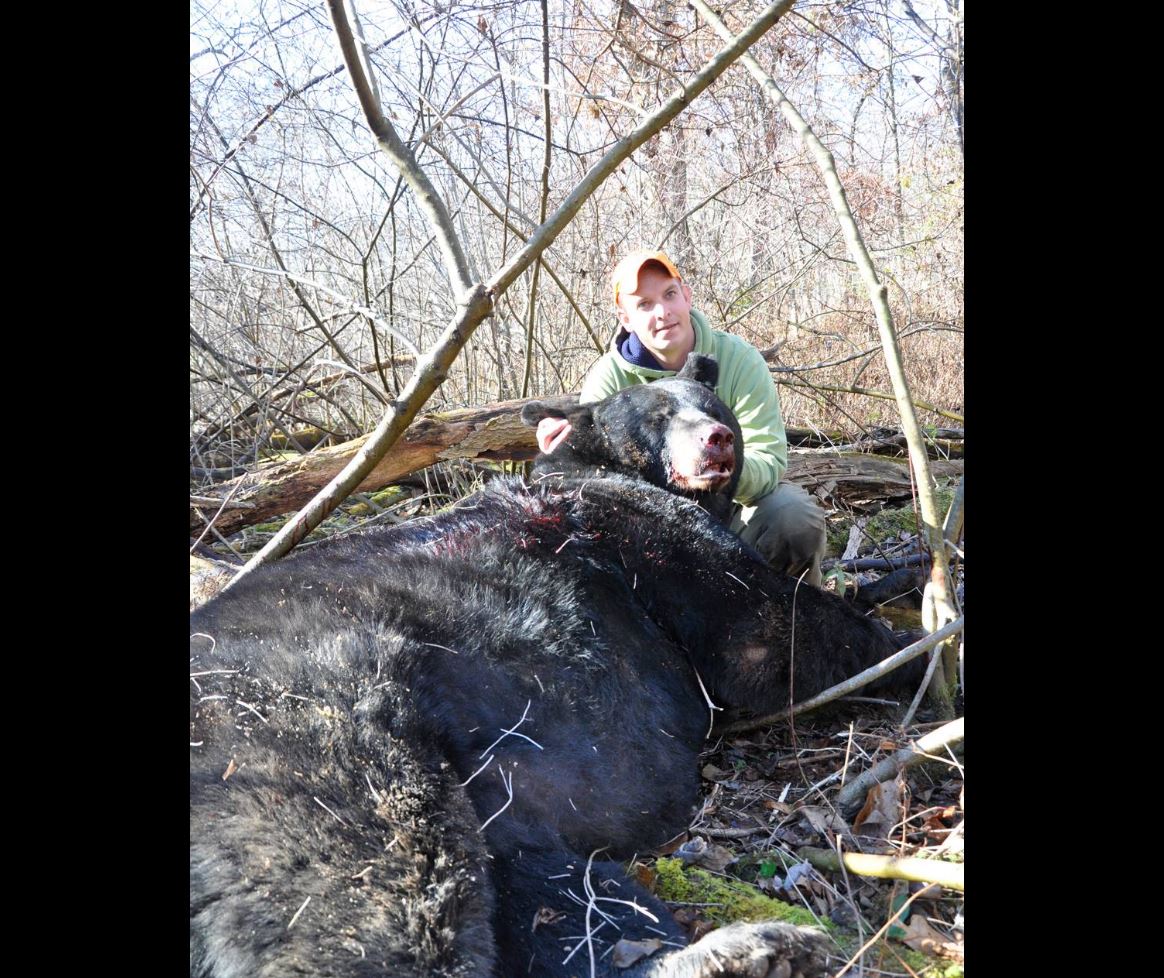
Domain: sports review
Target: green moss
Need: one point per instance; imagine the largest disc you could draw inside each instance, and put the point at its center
(924, 966)
(271, 526)
(889, 523)
(728, 900)
(385, 497)
(837, 536)
(892, 522)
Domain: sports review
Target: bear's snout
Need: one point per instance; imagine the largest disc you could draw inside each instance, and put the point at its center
(702, 455)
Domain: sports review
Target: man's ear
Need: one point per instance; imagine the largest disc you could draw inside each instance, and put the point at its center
(686, 291)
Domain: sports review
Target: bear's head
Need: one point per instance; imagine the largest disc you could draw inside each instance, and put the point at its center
(674, 433)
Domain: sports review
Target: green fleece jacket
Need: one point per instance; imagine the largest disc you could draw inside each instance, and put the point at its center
(744, 385)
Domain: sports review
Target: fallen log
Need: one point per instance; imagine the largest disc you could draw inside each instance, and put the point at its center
(495, 433)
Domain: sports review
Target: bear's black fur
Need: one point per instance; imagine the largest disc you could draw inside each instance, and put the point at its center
(423, 751)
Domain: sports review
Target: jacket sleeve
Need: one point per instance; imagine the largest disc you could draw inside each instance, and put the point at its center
(754, 400)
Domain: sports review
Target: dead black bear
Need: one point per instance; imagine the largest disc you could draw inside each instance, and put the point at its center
(423, 751)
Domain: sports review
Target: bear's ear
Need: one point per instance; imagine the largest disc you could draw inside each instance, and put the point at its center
(701, 368)
(534, 411)
(579, 415)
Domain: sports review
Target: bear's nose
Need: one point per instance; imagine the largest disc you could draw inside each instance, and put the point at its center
(719, 436)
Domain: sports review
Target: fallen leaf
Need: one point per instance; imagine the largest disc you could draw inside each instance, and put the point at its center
(546, 915)
(628, 952)
(822, 820)
(881, 811)
(799, 872)
(920, 936)
(777, 806)
(669, 847)
(700, 852)
(770, 884)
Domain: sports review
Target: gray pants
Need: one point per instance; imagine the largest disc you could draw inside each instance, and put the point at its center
(788, 529)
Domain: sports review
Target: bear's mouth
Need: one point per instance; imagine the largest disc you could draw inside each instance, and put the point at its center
(713, 475)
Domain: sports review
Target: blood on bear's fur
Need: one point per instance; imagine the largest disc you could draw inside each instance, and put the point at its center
(424, 750)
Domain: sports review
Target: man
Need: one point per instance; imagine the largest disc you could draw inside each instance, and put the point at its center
(659, 329)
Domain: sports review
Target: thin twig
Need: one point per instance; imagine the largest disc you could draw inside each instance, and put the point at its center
(329, 811)
(509, 801)
(856, 682)
(295, 917)
(513, 731)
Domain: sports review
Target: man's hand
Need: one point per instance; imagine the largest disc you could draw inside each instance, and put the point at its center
(551, 433)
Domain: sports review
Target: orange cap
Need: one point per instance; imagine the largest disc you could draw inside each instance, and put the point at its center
(625, 277)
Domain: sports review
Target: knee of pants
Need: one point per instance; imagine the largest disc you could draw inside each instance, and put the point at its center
(786, 527)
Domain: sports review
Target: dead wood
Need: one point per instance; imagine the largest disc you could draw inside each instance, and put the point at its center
(892, 444)
(952, 875)
(940, 442)
(495, 433)
(860, 481)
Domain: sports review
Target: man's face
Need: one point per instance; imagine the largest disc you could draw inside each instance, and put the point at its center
(658, 312)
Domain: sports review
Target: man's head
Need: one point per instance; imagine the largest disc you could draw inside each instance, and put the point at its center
(654, 303)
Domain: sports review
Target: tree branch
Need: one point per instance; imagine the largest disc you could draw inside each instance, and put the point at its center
(852, 795)
(355, 54)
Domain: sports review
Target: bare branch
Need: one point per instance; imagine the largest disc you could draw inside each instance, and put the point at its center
(923, 749)
(356, 58)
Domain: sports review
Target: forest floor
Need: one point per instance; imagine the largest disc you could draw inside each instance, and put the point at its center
(771, 794)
